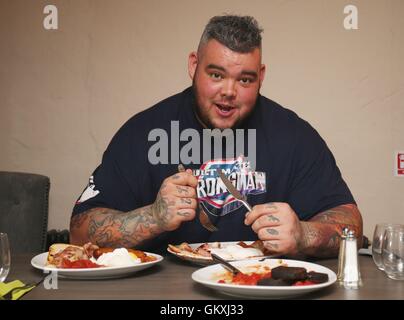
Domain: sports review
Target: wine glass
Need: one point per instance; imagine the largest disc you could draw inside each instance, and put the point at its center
(377, 242)
(393, 252)
(5, 258)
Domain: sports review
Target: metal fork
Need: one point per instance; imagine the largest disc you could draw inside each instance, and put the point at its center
(203, 216)
(205, 221)
(226, 264)
(232, 189)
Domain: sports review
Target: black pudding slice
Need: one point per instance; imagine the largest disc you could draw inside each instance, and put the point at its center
(317, 277)
(289, 273)
(274, 282)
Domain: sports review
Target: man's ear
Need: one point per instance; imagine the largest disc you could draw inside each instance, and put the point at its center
(192, 64)
(262, 73)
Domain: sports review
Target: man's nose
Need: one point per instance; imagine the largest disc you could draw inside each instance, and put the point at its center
(229, 89)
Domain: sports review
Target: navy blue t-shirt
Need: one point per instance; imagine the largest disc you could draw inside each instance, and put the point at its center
(292, 164)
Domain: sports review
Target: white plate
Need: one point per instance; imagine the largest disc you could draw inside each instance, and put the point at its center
(201, 260)
(39, 262)
(209, 276)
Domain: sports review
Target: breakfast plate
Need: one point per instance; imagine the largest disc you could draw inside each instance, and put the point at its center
(210, 275)
(39, 262)
(227, 250)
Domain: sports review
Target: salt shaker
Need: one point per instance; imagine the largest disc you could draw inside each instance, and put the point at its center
(350, 276)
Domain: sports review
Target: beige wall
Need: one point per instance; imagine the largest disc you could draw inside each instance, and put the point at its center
(64, 93)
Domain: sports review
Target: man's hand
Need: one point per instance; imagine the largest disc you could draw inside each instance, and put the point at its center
(277, 225)
(176, 201)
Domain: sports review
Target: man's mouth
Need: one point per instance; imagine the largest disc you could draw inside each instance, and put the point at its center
(225, 110)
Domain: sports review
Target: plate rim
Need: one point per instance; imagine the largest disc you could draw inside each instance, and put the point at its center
(44, 255)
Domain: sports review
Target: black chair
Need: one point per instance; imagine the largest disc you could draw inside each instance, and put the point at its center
(24, 202)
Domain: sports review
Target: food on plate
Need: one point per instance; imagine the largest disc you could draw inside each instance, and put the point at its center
(62, 255)
(235, 252)
(69, 256)
(273, 282)
(118, 257)
(289, 273)
(185, 249)
(135, 253)
(241, 250)
(317, 277)
(263, 275)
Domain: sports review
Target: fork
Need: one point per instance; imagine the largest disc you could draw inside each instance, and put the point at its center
(226, 264)
(236, 194)
(203, 216)
(205, 221)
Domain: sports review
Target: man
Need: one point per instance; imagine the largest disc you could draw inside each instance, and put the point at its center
(300, 201)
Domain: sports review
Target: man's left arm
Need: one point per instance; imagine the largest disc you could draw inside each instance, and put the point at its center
(320, 236)
(281, 231)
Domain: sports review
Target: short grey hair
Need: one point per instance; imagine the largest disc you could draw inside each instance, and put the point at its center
(238, 33)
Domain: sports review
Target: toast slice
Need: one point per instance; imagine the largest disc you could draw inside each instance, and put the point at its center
(55, 249)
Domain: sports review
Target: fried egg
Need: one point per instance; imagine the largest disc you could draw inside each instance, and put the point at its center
(236, 252)
(118, 258)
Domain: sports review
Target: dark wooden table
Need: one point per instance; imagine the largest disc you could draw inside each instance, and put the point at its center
(171, 280)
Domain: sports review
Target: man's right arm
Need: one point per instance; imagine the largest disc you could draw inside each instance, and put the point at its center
(175, 203)
(112, 228)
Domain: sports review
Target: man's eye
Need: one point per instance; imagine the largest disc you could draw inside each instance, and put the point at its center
(215, 75)
(245, 80)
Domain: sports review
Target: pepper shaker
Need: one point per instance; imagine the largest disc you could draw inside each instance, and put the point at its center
(341, 255)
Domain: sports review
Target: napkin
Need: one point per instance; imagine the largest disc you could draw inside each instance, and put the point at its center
(7, 287)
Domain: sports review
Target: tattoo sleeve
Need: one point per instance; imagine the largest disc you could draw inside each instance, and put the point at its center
(112, 228)
(321, 234)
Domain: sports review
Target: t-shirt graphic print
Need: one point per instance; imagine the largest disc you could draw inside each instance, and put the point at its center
(213, 194)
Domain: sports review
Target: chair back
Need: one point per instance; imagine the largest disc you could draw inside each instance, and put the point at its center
(24, 202)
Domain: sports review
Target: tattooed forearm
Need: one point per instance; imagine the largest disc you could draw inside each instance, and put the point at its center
(321, 235)
(159, 211)
(319, 240)
(112, 228)
(77, 221)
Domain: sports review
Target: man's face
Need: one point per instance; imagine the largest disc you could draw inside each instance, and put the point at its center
(226, 84)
